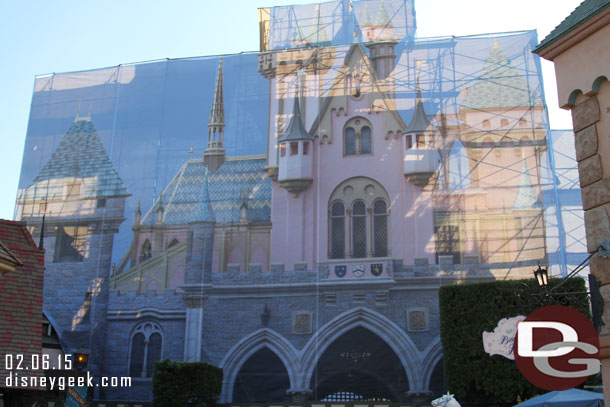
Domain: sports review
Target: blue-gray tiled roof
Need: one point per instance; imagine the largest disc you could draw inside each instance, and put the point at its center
(80, 154)
(225, 189)
(500, 84)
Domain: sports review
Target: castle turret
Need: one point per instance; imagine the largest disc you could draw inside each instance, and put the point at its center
(214, 155)
(295, 166)
(200, 242)
(421, 158)
(199, 252)
(380, 40)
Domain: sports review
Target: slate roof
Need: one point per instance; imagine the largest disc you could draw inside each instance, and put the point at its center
(225, 188)
(80, 154)
(204, 212)
(21, 296)
(582, 13)
(499, 84)
(7, 256)
(295, 129)
(419, 122)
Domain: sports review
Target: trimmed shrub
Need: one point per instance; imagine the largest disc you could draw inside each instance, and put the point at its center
(466, 311)
(186, 384)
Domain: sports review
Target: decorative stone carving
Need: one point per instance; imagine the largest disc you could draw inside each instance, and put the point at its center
(586, 143)
(295, 186)
(589, 170)
(597, 225)
(596, 194)
(301, 322)
(417, 319)
(585, 114)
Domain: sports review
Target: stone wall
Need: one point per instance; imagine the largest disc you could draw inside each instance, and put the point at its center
(591, 133)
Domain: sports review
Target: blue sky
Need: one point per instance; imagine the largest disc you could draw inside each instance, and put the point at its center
(40, 37)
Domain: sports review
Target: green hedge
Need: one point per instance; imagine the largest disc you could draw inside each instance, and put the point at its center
(469, 309)
(186, 384)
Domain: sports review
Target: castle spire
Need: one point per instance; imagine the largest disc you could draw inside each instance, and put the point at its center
(217, 114)
(203, 212)
(214, 155)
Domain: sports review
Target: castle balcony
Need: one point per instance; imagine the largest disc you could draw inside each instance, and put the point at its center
(420, 164)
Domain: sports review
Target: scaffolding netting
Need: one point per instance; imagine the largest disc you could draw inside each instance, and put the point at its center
(289, 215)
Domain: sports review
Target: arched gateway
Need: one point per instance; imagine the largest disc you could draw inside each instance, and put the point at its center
(358, 355)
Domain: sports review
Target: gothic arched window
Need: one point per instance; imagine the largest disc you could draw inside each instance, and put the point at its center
(459, 167)
(145, 349)
(365, 140)
(380, 228)
(358, 223)
(358, 137)
(350, 141)
(359, 229)
(337, 231)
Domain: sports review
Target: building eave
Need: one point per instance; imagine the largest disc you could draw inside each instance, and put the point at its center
(574, 35)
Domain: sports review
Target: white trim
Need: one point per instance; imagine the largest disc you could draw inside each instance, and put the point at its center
(145, 313)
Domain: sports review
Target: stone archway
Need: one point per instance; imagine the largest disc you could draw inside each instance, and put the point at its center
(263, 378)
(359, 365)
(409, 359)
(249, 347)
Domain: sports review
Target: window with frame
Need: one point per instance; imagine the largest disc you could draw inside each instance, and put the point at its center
(145, 350)
(146, 251)
(358, 224)
(294, 148)
(359, 229)
(358, 137)
(337, 231)
(380, 228)
(71, 243)
(448, 242)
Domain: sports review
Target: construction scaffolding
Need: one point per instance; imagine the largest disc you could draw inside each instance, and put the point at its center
(345, 170)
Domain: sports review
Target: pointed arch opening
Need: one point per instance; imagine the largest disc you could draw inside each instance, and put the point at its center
(145, 251)
(359, 365)
(459, 167)
(263, 378)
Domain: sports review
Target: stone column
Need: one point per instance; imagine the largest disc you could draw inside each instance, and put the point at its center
(595, 184)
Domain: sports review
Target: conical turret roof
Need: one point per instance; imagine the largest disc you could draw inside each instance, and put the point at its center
(204, 212)
(419, 122)
(500, 84)
(295, 129)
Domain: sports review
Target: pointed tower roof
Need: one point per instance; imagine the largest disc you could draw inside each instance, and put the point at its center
(217, 114)
(527, 195)
(419, 122)
(204, 212)
(318, 35)
(81, 155)
(295, 129)
(500, 84)
(366, 21)
(383, 19)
